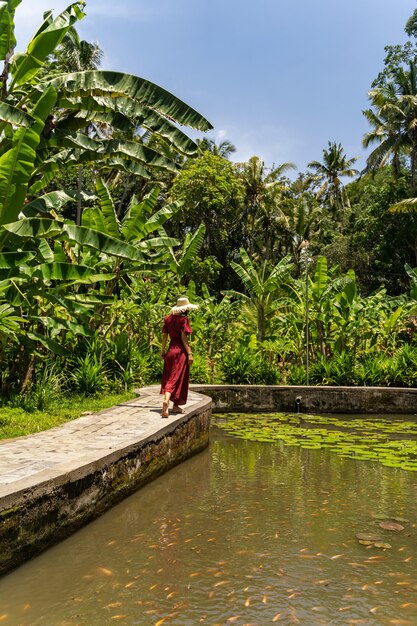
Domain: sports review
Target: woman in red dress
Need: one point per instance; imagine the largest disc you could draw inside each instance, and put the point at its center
(178, 357)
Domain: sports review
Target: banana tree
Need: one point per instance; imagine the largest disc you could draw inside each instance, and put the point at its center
(42, 275)
(80, 99)
(262, 286)
(37, 290)
(215, 325)
(181, 261)
(135, 229)
(323, 290)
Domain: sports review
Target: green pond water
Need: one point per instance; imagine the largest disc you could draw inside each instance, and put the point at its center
(247, 532)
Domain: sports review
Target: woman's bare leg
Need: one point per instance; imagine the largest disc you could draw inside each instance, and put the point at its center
(165, 404)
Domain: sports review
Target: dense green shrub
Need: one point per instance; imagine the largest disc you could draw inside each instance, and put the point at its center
(200, 370)
(154, 369)
(244, 366)
(372, 370)
(127, 365)
(339, 370)
(297, 375)
(46, 388)
(404, 367)
(88, 376)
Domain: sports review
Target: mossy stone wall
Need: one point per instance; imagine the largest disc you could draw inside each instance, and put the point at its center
(248, 398)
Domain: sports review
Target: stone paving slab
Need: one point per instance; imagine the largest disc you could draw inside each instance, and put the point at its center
(47, 454)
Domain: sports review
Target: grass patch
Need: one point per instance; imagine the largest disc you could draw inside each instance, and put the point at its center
(16, 422)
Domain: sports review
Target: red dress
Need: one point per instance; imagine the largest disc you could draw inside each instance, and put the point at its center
(176, 367)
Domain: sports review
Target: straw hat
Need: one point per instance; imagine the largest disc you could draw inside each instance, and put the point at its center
(183, 304)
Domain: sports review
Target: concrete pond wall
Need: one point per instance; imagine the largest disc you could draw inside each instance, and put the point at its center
(38, 515)
(250, 398)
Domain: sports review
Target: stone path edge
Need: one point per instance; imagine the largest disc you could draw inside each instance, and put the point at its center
(41, 481)
(38, 511)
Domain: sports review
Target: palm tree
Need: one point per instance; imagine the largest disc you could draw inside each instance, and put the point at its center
(261, 189)
(328, 174)
(394, 121)
(76, 55)
(299, 221)
(384, 132)
(223, 149)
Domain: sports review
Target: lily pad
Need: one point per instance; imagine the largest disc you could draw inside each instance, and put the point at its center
(390, 518)
(391, 526)
(378, 440)
(372, 538)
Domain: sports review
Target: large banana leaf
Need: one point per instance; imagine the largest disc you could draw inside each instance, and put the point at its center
(137, 227)
(72, 158)
(123, 113)
(50, 202)
(109, 148)
(282, 269)
(56, 325)
(16, 165)
(67, 272)
(75, 121)
(25, 66)
(7, 38)
(33, 227)
(10, 324)
(350, 291)
(12, 115)
(49, 344)
(9, 260)
(192, 245)
(321, 277)
(144, 92)
(42, 227)
(76, 304)
(137, 215)
(247, 273)
(102, 218)
(393, 319)
(158, 242)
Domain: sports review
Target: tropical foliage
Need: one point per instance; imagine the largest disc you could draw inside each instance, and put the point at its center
(109, 211)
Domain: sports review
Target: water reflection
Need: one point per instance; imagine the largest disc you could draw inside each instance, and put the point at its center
(244, 533)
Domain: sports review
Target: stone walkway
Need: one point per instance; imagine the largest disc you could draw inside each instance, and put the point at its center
(29, 460)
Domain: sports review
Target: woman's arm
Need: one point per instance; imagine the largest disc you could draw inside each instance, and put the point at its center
(187, 346)
(163, 346)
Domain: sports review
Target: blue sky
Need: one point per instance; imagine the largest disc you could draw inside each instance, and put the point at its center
(278, 78)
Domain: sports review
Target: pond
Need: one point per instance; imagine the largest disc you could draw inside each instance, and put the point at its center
(247, 533)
